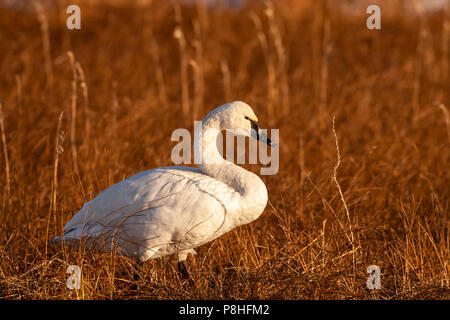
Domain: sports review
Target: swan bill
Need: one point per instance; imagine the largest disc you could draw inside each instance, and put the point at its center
(260, 135)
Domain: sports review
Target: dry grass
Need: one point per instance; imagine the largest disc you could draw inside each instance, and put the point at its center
(314, 241)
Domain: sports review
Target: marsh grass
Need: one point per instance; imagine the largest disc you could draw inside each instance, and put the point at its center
(368, 187)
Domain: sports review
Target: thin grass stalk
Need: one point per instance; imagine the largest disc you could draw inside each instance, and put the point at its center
(407, 224)
(116, 107)
(226, 80)
(417, 73)
(59, 139)
(73, 118)
(87, 111)
(301, 161)
(202, 14)
(324, 244)
(45, 42)
(271, 74)
(159, 74)
(155, 56)
(5, 154)
(445, 54)
(20, 122)
(200, 68)
(419, 60)
(446, 119)
(185, 105)
(316, 45)
(326, 47)
(281, 55)
(342, 197)
(197, 100)
(179, 36)
(19, 95)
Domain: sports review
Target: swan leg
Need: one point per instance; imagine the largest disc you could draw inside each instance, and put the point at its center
(137, 266)
(182, 256)
(182, 269)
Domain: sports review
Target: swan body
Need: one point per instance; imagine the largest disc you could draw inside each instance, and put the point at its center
(173, 210)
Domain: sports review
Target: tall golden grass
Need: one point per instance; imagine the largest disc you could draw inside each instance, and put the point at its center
(364, 144)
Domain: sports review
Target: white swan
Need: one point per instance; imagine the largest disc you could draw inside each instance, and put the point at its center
(172, 210)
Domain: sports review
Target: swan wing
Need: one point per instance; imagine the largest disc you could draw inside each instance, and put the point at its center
(156, 212)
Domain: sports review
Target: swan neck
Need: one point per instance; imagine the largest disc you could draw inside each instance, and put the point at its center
(215, 166)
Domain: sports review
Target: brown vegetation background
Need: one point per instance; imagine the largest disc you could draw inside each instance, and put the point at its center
(129, 82)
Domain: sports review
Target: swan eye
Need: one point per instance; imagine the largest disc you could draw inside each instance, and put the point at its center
(254, 125)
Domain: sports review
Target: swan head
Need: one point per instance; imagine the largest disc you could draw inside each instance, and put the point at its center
(239, 117)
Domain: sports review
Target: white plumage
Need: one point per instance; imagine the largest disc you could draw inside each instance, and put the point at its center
(172, 210)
